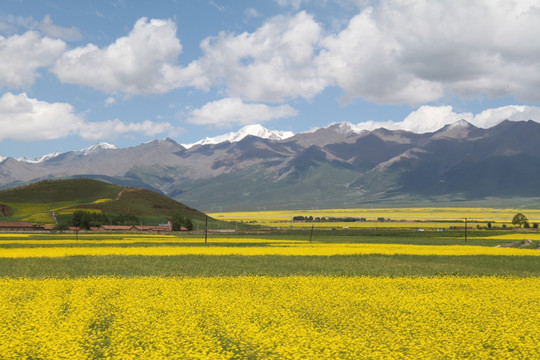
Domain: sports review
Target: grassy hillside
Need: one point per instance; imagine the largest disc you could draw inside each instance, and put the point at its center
(38, 202)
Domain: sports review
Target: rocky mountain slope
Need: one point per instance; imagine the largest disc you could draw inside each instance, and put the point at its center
(333, 166)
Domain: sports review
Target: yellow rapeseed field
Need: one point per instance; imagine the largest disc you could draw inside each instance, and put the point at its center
(255, 317)
(435, 217)
(287, 249)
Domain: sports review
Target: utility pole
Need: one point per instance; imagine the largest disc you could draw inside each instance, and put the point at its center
(311, 235)
(206, 231)
(465, 229)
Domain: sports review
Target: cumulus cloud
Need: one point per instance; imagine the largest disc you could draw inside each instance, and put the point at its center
(26, 119)
(233, 111)
(393, 52)
(273, 64)
(22, 55)
(144, 62)
(414, 51)
(361, 59)
(432, 118)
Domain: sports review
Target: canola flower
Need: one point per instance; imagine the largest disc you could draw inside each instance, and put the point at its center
(446, 213)
(148, 239)
(262, 317)
(291, 249)
(514, 236)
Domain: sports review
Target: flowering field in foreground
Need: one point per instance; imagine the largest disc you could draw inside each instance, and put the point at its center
(275, 248)
(270, 317)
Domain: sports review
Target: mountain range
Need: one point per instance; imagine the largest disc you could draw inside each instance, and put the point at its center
(336, 166)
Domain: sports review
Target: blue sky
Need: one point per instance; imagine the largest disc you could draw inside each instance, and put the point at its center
(75, 73)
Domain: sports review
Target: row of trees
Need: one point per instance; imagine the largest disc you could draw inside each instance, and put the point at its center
(86, 220)
(521, 220)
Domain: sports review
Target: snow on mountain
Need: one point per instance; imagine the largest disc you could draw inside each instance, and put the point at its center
(38, 160)
(254, 130)
(458, 129)
(95, 148)
(345, 128)
(2, 158)
(460, 124)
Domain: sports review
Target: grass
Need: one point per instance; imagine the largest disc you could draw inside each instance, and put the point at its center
(36, 201)
(200, 265)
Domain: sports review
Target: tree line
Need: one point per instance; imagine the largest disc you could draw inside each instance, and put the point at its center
(86, 220)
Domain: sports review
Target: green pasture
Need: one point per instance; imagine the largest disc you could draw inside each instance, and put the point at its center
(198, 265)
(35, 202)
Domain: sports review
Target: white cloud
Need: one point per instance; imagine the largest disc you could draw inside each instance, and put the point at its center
(144, 62)
(26, 119)
(251, 13)
(113, 128)
(361, 59)
(414, 51)
(395, 51)
(22, 55)
(432, 118)
(110, 101)
(55, 31)
(401, 51)
(295, 4)
(233, 111)
(13, 23)
(272, 64)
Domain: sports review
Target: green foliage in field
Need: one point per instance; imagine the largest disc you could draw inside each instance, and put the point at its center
(200, 265)
(52, 191)
(36, 202)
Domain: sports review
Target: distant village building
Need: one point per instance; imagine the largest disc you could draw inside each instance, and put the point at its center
(159, 228)
(23, 226)
(18, 226)
(118, 228)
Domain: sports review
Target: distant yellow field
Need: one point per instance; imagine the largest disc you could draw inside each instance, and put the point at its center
(393, 217)
(99, 201)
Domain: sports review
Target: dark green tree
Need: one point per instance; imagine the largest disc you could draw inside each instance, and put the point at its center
(178, 221)
(519, 219)
(188, 224)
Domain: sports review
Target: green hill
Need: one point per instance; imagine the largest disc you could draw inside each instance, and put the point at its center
(42, 202)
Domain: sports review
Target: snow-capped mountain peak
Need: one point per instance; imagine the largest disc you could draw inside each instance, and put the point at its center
(458, 129)
(2, 158)
(460, 124)
(345, 128)
(38, 160)
(95, 148)
(253, 130)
